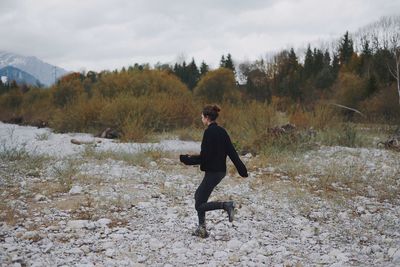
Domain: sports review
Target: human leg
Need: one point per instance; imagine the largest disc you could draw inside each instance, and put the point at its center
(203, 192)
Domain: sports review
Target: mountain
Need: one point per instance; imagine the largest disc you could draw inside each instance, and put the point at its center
(32, 65)
(18, 75)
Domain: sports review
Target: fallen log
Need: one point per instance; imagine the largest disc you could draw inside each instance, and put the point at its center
(78, 142)
(392, 144)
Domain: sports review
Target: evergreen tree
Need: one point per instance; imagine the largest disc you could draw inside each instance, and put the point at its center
(335, 65)
(371, 85)
(308, 63)
(227, 63)
(287, 77)
(222, 62)
(193, 75)
(318, 63)
(293, 62)
(365, 58)
(204, 68)
(257, 86)
(188, 74)
(346, 49)
(2, 87)
(327, 59)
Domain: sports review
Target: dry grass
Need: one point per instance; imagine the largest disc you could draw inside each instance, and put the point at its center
(141, 157)
(8, 214)
(337, 180)
(65, 173)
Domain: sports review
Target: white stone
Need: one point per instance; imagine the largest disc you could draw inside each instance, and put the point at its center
(74, 251)
(48, 247)
(9, 240)
(85, 249)
(391, 251)
(141, 258)
(366, 250)
(77, 224)
(30, 235)
(339, 255)
(75, 190)
(85, 265)
(261, 258)
(110, 252)
(396, 256)
(326, 259)
(249, 246)
(307, 233)
(343, 215)
(11, 248)
(248, 156)
(103, 222)
(234, 244)
(40, 197)
(270, 169)
(220, 255)
(108, 245)
(376, 248)
(91, 225)
(153, 164)
(360, 210)
(155, 244)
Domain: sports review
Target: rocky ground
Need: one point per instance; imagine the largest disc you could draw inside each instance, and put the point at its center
(81, 205)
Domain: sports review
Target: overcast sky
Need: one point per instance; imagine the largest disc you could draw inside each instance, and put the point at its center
(100, 34)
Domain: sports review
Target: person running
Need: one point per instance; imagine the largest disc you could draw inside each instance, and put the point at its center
(215, 146)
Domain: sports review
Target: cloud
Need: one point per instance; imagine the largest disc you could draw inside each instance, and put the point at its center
(95, 34)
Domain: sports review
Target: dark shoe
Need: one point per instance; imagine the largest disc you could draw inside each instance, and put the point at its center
(229, 207)
(201, 232)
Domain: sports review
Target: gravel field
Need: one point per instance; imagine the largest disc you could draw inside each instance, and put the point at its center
(125, 204)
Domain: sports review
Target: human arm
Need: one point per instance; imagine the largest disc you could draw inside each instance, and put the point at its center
(190, 159)
(233, 155)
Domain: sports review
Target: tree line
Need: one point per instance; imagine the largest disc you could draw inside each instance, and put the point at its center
(361, 73)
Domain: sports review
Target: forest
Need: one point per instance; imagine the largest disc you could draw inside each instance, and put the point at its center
(330, 90)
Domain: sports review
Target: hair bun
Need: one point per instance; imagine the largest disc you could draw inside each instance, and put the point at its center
(216, 108)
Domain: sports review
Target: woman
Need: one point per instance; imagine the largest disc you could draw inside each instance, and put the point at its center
(215, 146)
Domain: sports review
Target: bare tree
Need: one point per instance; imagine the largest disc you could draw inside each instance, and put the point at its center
(385, 34)
(395, 70)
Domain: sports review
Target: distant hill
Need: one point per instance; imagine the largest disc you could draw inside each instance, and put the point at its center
(18, 75)
(43, 71)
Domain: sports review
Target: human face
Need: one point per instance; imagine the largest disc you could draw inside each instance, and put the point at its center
(205, 120)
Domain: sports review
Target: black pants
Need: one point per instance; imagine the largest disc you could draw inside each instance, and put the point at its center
(203, 192)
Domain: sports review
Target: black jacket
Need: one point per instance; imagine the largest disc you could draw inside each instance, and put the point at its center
(215, 146)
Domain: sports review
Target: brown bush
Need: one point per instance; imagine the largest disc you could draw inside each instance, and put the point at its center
(139, 83)
(36, 106)
(349, 90)
(247, 122)
(81, 115)
(10, 104)
(217, 86)
(383, 106)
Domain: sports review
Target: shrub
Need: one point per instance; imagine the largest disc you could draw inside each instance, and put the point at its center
(139, 83)
(81, 115)
(159, 112)
(384, 105)
(248, 122)
(349, 90)
(66, 92)
(217, 85)
(36, 106)
(133, 130)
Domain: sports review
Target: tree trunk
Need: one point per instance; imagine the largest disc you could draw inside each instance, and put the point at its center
(398, 74)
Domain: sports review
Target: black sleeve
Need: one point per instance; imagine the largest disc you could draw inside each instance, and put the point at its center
(205, 147)
(190, 159)
(233, 155)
